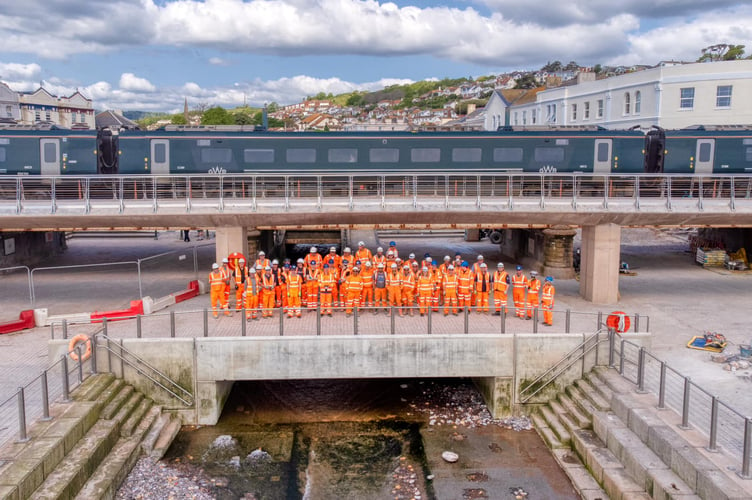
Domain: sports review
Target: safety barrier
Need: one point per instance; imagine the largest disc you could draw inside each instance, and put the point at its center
(723, 425)
(25, 321)
(372, 191)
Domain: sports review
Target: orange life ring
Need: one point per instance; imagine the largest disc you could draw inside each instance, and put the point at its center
(619, 321)
(72, 347)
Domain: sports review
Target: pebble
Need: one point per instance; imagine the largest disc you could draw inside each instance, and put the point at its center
(151, 479)
(450, 456)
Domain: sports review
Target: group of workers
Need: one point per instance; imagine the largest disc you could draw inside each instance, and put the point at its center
(376, 281)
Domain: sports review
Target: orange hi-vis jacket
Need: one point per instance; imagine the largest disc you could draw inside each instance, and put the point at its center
(354, 284)
(327, 281)
(260, 264)
(313, 257)
(394, 279)
(337, 260)
(408, 281)
(394, 251)
(366, 276)
(239, 276)
(547, 295)
(312, 275)
(533, 287)
(251, 283)
(450, 283)
(363, 254)
(294, 285)
(464, 280)
(267, 283)
(379, 259)
(500, 282)
(519, 282)
(425, 285)
(482, 282)
(217, 279)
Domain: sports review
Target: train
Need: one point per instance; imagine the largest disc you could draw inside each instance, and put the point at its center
(183, 150)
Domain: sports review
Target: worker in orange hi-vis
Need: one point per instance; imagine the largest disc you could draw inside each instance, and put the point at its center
(363, 254)
(312, 276)
(280, 285)
(227, 273)
(332, 258)
(394, 288)
(261, 261)
(239, 275)
(393, 248)
(464, 285)
(366, 276)
(294, 293)
(408, 288)
(327, 288)
(252, 290)
(443, 266)
(379, 257)
(301, 270)
(347, 267)
(334, 270)
(354, 290)
(533, 293)
(449, 285)
(379, 289)
(413, 263)
(437, 276)
(217, 289)
(267, 293)
(547, 301)
(425, 285)
(314, 256)
(519, 287)
(482, 289)
(500, 280)
(475, 269)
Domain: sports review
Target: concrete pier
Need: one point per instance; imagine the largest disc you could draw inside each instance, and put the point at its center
(599, 267)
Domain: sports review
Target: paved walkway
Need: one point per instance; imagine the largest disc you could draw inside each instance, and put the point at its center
(681, 299)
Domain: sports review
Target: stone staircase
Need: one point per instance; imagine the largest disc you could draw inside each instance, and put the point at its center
(612, 443)
(89, 446)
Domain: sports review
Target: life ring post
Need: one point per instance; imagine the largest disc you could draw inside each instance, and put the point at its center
(73, 347)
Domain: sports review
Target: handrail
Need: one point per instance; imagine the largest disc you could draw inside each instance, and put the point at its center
(557, 369)
(187, 397)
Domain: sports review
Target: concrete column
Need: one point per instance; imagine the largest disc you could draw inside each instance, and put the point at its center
(497, 393)
(210, 400)
(599, 267)
(229, 240)
(557, 252)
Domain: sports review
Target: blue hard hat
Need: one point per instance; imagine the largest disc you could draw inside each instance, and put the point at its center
(357, 262)
(326, 266)
(550, 279)
(465, 264)
(425, 255)
(392, 244)
(519, 268)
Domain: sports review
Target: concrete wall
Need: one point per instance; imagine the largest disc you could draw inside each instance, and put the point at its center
(500, 365)
(30, 248)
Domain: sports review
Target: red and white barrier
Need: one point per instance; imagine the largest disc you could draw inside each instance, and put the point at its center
(25, 320)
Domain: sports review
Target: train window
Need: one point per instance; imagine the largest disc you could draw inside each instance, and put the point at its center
(258, 155)
(383, 155)
(549, 155)
(343, 155)
(160, 152)
(50, 152)
(307, 155)
(602, 152)
(202, 143)
(704, 153)
(425, 155)
(507, 155)
(2, 155)
(748, 154)
(216, 155)
(464, 155)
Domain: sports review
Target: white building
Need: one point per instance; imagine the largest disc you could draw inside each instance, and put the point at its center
(10, 110)
(669, 96)
(75, 111)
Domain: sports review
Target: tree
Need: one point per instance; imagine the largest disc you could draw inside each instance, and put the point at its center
(272, 107)
(552, 67)
(355, 99)
(217, 116)
(243, 118)
(179, 119)
(597, 69)
(201, 107)
(572, 66)
(527, 81)
(721, 52)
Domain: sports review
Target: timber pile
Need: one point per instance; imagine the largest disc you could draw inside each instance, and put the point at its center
(711, 258)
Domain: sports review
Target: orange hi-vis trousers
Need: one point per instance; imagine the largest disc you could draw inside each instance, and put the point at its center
(548, 312)
(532, 303)
(239, 296)
(481, 301)
(450, 300)
(251, 305)
(327, 299)
(500, 299)
(366, 296)
(518, 296)
(267, 303)
(217, 298)
(395, 296)
(380, 298)
(463, 296)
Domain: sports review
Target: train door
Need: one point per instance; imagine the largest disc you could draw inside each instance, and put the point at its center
(160, 156)
(704, 156)
(49, 155)
(602, 156)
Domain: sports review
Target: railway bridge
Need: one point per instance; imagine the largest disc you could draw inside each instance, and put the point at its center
(242, 207)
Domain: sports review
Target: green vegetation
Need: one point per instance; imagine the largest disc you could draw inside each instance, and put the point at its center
(722, 52)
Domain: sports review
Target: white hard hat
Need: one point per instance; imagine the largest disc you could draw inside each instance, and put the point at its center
(411, 256)
(332, 249)
(262, 252)
(361, 244)
(533, 273)
(301, 261)
(425, 269)
(225, 261)
(267, 268)
(252, 270)
(483, 266)
(406, 267)
(447, 258)
(394, 266)
(480, 257)
(390, 253)
(215, 266)
(368, 263)
(241, 260)
(347, 250)
(500, 264)
(379, 249)
(380, 266)
(314, 249)
(275, 261)
(450, 268)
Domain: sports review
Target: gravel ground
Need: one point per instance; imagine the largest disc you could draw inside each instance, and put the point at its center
(150, 479)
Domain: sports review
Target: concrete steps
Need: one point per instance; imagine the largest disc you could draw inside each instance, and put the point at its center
(610, 442)
(88, 447)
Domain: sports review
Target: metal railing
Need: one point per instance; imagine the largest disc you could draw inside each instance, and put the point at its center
(723, 425)
(362, 321)
(374, 191)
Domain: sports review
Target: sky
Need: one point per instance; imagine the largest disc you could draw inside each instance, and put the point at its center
(150, 55)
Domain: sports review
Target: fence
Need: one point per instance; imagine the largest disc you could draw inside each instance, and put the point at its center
(362, 321)
(717, 420)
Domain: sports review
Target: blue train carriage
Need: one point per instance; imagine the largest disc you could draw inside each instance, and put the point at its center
(707, 150)
(46, 150)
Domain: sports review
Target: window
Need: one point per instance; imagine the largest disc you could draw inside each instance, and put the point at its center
(8, 111)
(586, 111)
(2, 155)
(383, 155)
(549, 155)
(73, 117)
(516, 122)
(748, 154)
(627, 103)
(160, 153)
(602, 153)
(524, 117)
(723, 96)
(637, 102)
(343, 155)
(466, 155)
(258, 155)
(425, 155)
(704, 153)
(47, 115)
(216, 155)
(307, 155)
(600, 108)
(551, 113)
(687, 100)
(534, 116)
(38, 115)
(508, 155)
(50, 152)
(574, 112)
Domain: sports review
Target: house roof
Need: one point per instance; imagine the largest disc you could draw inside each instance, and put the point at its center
(110, 118)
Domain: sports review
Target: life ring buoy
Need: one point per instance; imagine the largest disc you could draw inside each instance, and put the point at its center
(74, 342)
(618, 321)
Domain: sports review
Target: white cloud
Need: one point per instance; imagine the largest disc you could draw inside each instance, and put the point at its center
(15, 71)
(129, 81)
(218, 61)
